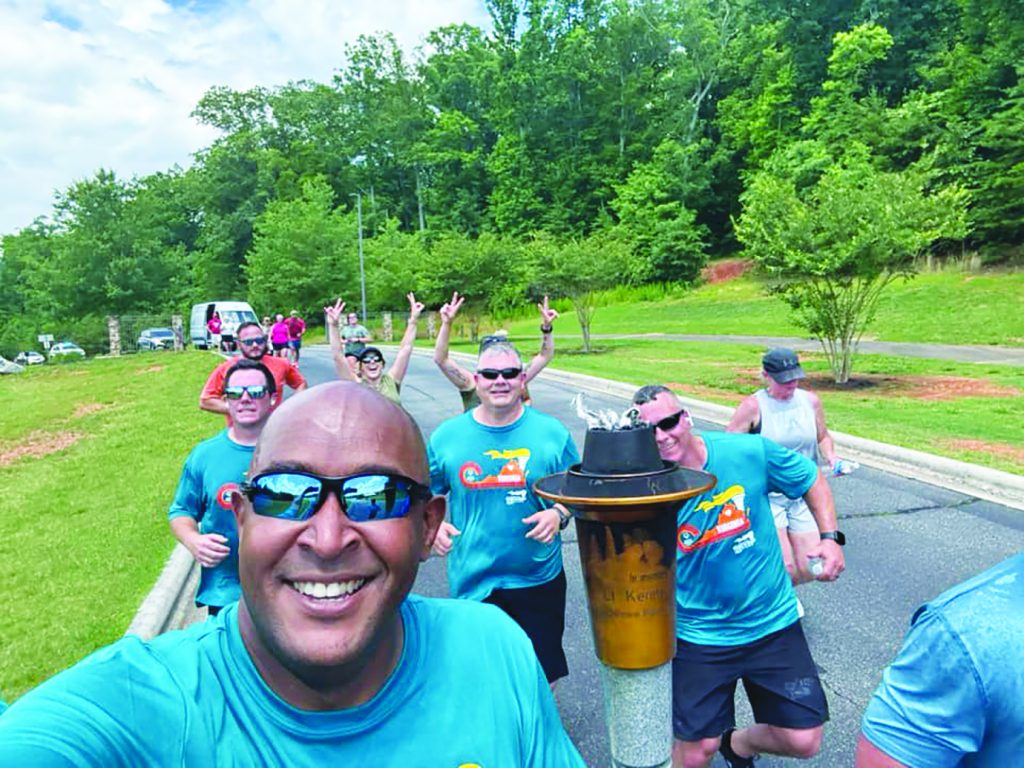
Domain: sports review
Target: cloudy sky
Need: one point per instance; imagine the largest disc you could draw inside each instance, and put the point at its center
(88, 84)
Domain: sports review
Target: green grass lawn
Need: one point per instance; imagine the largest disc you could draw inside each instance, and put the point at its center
(936, 307)
(892, 404)
(84, 533)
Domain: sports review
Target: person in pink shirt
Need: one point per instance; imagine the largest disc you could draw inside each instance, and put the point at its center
(296, 327)
(279, 336)
(214, 326)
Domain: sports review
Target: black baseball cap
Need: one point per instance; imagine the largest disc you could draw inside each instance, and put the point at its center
(370, 351)
(782, 365)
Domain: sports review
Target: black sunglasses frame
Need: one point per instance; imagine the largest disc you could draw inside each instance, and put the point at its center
(670, 422)
(417, 492)
(508, 374)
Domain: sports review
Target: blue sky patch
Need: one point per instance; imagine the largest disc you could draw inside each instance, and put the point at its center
(59, 16)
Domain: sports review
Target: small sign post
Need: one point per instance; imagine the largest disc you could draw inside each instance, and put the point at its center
(46, 339)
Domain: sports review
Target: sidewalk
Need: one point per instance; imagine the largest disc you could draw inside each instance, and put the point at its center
(967, 353)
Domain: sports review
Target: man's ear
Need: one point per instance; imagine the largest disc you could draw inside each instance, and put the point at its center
(239, 506)
(433, 516)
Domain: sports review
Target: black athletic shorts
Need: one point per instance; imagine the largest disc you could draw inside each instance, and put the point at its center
(279, 347)
(778, 675)
(540, 611)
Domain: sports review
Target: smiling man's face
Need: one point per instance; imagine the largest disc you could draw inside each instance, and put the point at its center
(321, 597)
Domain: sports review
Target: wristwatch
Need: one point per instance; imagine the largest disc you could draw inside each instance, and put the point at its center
(563, 519)
(837, 536)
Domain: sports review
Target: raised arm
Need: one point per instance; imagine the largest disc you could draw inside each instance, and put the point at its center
(547, 341)
(401, 364)
(334, 315)
(455, 373)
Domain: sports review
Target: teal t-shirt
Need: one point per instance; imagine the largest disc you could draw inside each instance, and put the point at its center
(214, 469)
(488, 474)
(954, 695)
(467, 690)
(732, 587)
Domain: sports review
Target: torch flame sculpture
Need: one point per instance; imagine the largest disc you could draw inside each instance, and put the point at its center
(624, 498)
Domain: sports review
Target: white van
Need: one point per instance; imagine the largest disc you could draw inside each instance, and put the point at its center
(232, 315)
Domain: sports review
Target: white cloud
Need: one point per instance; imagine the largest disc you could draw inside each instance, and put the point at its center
(88, 84)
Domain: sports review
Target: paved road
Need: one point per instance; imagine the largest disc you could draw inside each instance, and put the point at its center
(960, 353)
(907, 542)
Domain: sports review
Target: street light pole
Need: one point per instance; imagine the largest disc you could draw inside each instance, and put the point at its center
(362, 269)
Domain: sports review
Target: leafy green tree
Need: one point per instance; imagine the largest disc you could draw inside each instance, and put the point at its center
(303, 253)
(579, 268)
(832, 248)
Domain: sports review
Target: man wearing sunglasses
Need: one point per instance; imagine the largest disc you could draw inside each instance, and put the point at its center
(503, 543)
(736, 611)
(252, 341)
(327, 659)
(200, 515)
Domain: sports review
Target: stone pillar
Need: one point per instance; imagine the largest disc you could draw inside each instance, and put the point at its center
(179, 333)
(431, 325)
(389, 331)
(114, 333)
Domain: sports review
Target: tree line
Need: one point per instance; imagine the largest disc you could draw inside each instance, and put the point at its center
(577, 144)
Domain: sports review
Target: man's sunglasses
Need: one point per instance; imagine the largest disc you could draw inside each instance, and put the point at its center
(254, 341)
(256, 392)
(506, 373)
(670, 422)
(299, 495)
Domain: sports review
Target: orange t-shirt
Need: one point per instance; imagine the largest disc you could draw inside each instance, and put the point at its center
(283, 372)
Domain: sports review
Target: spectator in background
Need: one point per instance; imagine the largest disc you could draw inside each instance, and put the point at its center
(279, 337)
(267, 325)
(355, 336)
(371, 360)
(296, 328)
(253, 344)
(214, 327)
(463, 378)
(795, 419)
(200, 516)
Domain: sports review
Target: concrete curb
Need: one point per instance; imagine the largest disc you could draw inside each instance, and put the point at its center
(169, 604)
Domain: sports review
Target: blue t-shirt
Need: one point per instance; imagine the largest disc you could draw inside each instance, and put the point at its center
(488, 474)
(467, 690)
(214, 469)
(954, 695)
(732, 587)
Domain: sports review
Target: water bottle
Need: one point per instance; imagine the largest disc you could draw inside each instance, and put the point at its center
(844, 467)
(816, 566)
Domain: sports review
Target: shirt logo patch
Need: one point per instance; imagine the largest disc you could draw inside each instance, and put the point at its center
(733, 519)
(508, 470)
(224, 495)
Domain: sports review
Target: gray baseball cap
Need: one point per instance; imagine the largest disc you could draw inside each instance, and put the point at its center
(782, 365)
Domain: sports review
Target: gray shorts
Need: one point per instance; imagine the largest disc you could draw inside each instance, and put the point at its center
(793, 514)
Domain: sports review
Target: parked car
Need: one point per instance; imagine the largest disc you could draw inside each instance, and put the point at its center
(156, 338)
(6, 366)
(65, 349)
(31, 357)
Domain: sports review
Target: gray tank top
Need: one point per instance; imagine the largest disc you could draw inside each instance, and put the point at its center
(789, 423)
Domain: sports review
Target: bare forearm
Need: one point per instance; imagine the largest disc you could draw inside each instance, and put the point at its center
(213, 404)
(827, 448)
(185, 530)
(441, 344)
(822, 505)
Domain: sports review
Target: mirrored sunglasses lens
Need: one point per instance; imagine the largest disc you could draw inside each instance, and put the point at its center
(375, 497)
(285, 495)
(254, 341)
(257, 392)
